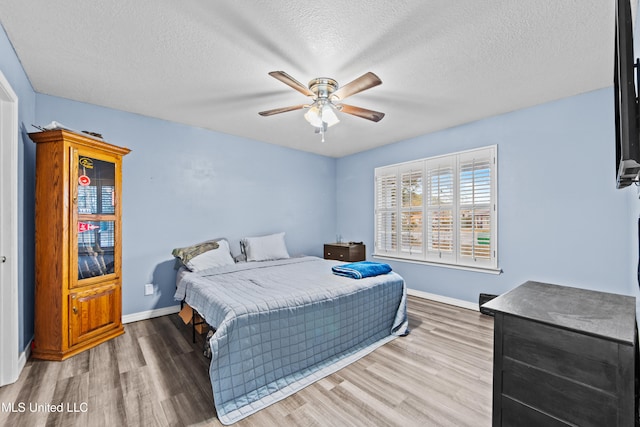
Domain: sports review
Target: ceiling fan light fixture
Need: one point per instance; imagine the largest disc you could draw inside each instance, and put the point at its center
(313, 116)
(328, 115)
(321, 114)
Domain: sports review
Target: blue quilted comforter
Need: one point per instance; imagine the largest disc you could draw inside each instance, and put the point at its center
(281, 325)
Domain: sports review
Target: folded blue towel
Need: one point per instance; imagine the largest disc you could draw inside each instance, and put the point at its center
(358, 270)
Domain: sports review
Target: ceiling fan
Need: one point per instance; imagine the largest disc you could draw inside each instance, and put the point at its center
(327, 98)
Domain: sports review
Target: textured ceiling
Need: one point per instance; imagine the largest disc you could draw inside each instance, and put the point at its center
(205, 63)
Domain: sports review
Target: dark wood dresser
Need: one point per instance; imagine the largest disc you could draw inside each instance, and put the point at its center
(350, 252)
(563, 356)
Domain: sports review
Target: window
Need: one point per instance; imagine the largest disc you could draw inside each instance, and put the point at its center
(441, 210)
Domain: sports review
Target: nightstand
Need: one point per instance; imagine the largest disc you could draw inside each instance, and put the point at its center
(345, 251)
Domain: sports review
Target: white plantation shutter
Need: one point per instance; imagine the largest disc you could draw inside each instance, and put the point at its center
(475, 208)
(441, 209)
(440, 206)
(386, 212)
(411, 208)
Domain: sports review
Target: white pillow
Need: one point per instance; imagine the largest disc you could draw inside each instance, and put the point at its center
(214, 258)
(265, 248)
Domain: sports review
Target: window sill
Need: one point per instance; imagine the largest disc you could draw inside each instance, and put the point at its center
(486, 270)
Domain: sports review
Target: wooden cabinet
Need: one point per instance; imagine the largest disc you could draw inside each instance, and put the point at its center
(94, 311)
(350, 252)
(563, 356)
(78, 298)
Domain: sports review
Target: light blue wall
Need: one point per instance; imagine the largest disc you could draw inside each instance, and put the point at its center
(561, 220)
(13, 72)
(183, 185)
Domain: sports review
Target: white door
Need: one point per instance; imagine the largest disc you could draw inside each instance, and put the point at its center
(9, 351)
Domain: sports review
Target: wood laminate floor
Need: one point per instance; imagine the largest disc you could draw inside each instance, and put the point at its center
(438, 375)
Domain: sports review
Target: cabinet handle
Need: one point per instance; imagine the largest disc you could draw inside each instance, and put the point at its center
(75, 310)
(328, 253)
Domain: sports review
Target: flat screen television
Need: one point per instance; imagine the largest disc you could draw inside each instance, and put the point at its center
(626, 100)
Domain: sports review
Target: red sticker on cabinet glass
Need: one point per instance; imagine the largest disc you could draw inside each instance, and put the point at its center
(84, 180)
(84, 226)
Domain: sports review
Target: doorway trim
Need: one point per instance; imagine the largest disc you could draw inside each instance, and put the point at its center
(9, 344)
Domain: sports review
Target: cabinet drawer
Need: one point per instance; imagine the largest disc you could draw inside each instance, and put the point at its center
(581, 358)
(564, 399)
(517, 414)
(345, 252)
(93, 311)
(336, 252)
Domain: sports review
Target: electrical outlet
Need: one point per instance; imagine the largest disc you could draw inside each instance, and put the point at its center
(148, 289)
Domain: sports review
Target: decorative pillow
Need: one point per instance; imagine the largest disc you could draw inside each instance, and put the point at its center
(185, 254)
(265, 248)
(214, 258)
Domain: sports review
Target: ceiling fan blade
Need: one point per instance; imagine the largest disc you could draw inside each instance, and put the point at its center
(374, 116)
(282, 110)
(288, 80)
(364, 82)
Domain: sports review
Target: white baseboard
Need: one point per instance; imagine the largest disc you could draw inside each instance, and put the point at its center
(24, 356)
(150, 314)
(443, 299)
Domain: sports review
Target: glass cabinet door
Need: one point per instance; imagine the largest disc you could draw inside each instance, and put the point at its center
(96, 186)
(96, 204)
(96, 246)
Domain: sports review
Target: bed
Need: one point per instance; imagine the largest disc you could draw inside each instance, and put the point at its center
(281, 325)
